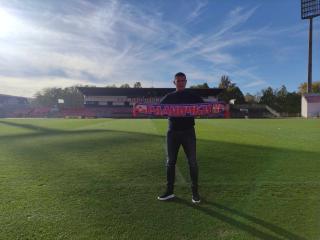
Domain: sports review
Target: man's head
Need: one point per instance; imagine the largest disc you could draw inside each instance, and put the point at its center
(180, 80)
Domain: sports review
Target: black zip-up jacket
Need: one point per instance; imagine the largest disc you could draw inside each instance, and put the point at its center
(181, 97)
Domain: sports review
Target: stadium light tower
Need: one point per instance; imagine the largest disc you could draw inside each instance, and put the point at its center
(309, 10)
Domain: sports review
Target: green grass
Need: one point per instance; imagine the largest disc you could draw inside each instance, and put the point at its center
(98, 179)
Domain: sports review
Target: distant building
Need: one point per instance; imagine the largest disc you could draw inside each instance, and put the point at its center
(310, 105)
(12, 100)
(9, 104)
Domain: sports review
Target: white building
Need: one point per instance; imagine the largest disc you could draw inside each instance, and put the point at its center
(310, 105)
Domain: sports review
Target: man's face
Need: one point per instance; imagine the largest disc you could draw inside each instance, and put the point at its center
(180, 82)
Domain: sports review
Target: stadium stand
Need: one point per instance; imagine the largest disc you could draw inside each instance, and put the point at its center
(77, 113)
(118, 102)
(10, 104)
(251, 111)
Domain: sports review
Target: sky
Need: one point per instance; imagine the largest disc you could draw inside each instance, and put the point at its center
(55, 43)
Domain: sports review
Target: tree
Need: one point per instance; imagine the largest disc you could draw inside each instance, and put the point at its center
(72, 97)
(268, 97)
(231, 91)
(281, 98)
(48, 97)
(293, 103)
(235, 93)
(249, 98)
(304, 87)
(137, 85)
(111, 86)
(225, 82)
(125, 85)
(204, 85)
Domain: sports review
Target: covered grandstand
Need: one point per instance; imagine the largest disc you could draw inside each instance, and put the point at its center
(10, 104)
(118, 102)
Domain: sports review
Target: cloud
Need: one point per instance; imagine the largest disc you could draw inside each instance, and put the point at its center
(200, 5)
(21, 86)
(248, 78)
(112, 42)
(255, 83)
(236, 17)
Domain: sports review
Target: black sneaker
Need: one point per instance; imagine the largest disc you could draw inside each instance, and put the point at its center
(196, 198)
(166, 196)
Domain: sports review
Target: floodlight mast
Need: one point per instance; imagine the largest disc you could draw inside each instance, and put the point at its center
(309, 10)
(310, 57)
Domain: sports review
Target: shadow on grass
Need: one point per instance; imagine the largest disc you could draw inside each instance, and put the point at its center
(282, 233)
(27, 126)
(42, 131)
(270, 226)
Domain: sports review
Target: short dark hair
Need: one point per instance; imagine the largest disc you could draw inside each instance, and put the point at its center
(180, 74)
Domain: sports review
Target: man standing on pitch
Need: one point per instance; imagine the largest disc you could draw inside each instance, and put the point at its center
(181, 132)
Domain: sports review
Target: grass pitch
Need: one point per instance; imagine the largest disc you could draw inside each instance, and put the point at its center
(99, 179)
